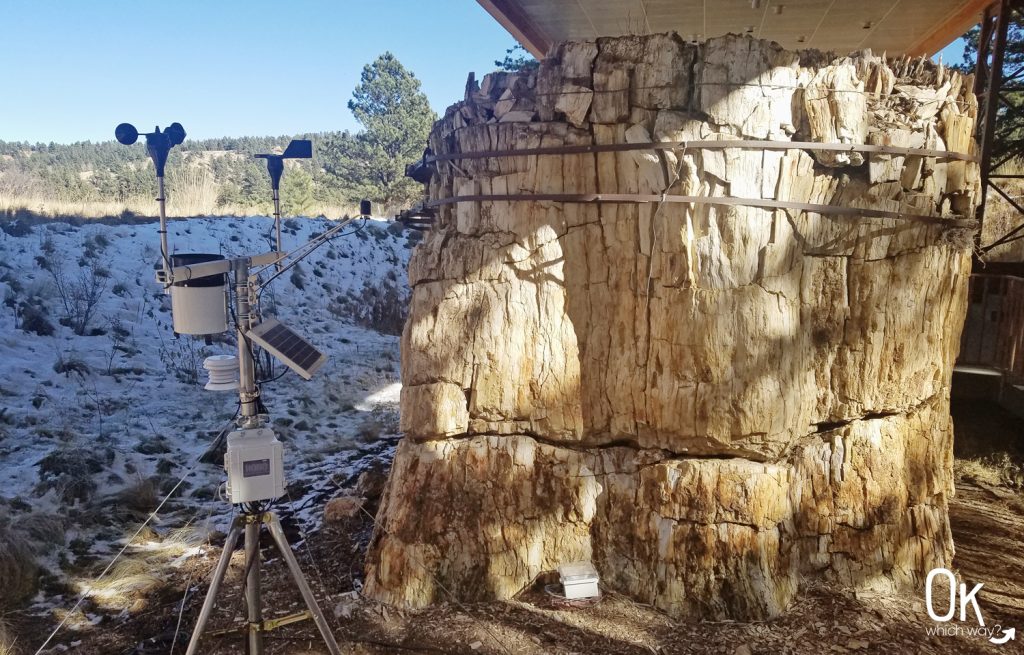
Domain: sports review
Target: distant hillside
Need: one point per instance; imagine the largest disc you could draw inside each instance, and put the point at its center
(210, 176)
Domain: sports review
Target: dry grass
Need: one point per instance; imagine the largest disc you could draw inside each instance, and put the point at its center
(126, 586)
(142, 570)
(198, 199)
(1001, 216)
(996, 470)
(17, 564)
(47, 207)
(141, 495)
(192, 192)
(8, 642)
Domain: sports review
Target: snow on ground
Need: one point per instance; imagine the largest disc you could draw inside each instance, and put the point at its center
(94, 429)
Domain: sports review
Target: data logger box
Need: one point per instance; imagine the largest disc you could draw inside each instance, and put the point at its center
(255, 465)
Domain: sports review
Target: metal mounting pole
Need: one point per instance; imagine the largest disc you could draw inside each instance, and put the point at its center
(247, 394)
(161, 200)
(277, 223)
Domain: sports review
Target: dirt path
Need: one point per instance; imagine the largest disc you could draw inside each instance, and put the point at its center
(988, 529)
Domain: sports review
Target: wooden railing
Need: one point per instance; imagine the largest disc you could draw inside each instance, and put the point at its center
(993, 333)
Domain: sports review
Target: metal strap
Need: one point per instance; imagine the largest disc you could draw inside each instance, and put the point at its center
(705, 145)
(852, 212)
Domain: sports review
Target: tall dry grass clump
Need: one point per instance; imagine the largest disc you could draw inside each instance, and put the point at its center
(18, 569)
(192, 192)
(8, 642)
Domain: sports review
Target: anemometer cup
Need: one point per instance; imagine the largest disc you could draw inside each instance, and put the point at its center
(175, 134)
(199, 306)
(157, 143)
(126, 134)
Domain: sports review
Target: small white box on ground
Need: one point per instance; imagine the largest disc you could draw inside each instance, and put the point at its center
(579, 580)
(255, 464)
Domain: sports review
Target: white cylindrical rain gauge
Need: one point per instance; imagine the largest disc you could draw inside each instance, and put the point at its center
(199, 305)
(223, 372)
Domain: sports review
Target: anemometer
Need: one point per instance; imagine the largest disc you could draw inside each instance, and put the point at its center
(201, 286)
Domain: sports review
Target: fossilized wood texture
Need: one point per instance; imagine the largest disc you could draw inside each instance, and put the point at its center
(713, 403)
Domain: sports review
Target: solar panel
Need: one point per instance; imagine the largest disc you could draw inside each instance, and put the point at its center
(280, 341)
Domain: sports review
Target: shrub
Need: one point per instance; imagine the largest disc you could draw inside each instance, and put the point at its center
(140, 496)
(382, 307)
(80, 295)
(45, 531)
(183, 358)
(11, 281)
(16, 228)
(71, 471)
(18, 570)
(35, 321)
(297, 278)
(369, 430)
(71, 365)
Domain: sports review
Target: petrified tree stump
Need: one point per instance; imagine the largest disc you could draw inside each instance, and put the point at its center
(714, 404)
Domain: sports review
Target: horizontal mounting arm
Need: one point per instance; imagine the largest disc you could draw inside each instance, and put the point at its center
(217, 267)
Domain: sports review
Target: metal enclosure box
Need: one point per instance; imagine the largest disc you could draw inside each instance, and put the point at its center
(254, 462)
(579, 580)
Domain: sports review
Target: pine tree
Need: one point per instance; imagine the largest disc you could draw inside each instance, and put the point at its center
(296, 192)
(1009, 135)
(396, 118)
(517, 59)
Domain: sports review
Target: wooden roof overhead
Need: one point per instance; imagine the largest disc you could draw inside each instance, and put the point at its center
(915, 27)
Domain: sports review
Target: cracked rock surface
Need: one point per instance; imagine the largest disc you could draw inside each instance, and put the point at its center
(714, 404)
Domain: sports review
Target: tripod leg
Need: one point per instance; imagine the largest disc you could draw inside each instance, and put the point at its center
(300, 581)
(252, 586)
(211, 594)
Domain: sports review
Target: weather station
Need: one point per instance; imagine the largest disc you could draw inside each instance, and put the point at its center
(203, 290)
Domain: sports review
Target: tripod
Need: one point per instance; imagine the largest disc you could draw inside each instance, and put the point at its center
(255, 626)
(252, 521)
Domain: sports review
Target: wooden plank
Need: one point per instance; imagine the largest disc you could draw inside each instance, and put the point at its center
(948, 30)
(511, 16)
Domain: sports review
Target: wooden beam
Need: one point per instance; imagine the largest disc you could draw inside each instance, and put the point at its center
(949, 29)
(522, 28)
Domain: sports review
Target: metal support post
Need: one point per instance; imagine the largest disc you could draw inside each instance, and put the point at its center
(215, 582)
(165, 257)
(277, 224)
(247, 394)
(300, 581)
(254, 614)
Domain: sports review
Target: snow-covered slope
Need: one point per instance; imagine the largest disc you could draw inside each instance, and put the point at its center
(94, 429)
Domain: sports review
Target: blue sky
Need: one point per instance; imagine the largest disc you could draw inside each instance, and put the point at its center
(74, 69)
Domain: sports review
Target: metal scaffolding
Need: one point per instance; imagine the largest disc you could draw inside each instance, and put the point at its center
(991, 83)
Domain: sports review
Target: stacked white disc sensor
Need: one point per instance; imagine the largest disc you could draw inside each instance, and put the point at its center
(223, 372)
